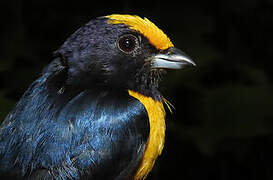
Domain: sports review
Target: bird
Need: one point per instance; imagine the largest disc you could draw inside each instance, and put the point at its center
(95, 111)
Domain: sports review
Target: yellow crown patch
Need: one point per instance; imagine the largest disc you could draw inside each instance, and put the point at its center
(148, 29)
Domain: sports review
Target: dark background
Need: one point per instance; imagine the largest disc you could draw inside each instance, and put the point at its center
(222, 126)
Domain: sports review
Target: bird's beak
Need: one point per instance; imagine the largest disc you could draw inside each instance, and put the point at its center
(173, 58)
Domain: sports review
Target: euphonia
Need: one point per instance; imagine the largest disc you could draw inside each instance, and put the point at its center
(96, 111)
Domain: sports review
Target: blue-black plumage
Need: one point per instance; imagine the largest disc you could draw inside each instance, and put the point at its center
(91, 132)
(78, 119)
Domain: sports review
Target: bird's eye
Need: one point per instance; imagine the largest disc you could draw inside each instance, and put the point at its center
(127, 43)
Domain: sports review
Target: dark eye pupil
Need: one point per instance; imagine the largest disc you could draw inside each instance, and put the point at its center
(127, 43)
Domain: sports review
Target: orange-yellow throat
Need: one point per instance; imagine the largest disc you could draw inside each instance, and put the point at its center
(154, 146)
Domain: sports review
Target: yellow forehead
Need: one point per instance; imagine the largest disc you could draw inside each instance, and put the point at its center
(148, 29)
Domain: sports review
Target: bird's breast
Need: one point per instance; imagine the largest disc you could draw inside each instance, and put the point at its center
(154, 146)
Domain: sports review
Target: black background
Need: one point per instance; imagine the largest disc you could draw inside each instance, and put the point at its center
(222, 124)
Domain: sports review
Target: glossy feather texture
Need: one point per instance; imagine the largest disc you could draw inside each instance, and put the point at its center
(75, 136)
(78, 121)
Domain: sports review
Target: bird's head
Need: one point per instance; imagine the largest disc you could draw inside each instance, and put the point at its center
(120, 51)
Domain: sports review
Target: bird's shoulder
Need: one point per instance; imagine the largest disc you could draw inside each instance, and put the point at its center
(93, 131)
